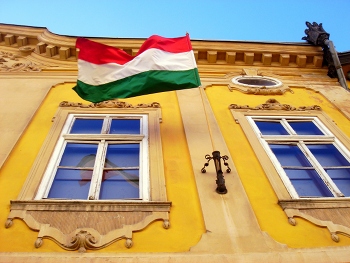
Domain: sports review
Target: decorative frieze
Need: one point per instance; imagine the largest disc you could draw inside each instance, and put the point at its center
(109, 104)
(273, 104)
(10, 62)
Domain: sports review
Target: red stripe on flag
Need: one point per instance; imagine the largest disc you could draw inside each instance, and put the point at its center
(98, 53)
(172, 45)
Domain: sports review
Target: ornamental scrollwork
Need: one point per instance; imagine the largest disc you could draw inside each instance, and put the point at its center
(81, 241)
(109, 104)
(266, 91)
(273, 104)
(250, 81)
(60, 226)
(10, 62)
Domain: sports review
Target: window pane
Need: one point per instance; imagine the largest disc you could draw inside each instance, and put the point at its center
(79, 155)
(307, 183)
(328, 155)
(121, 184)
(271, 128)
(87, 126)
(341, 177)
(71, 184)
(122, 155)
(289, 155)
(305, 128)
(125, 126)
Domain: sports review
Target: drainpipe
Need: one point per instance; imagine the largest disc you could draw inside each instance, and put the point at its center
(317, 36)
(337, 65)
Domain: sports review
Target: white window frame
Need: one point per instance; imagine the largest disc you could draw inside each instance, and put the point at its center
(328, 138)
(102, 140)
(48, 216)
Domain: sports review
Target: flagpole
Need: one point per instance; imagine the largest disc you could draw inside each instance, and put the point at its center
(193, 57)
(216, 156)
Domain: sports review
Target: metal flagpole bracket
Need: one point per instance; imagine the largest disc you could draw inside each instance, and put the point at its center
(220, 180)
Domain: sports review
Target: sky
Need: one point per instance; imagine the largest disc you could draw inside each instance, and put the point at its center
(247, 20)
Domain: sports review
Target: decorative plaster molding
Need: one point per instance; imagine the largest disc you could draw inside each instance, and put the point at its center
(333, 228)
(109, 104)
(266, 91)
(332, 214)
(273, 104)
(248, 72)
(92, 226)
(10, 62)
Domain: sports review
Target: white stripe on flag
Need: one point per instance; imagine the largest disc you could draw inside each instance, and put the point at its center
(151, 59)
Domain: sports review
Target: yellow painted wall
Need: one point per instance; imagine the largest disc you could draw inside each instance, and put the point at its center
(185, 217)
(270, 215)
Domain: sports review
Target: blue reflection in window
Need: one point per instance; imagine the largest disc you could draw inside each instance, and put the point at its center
(328, 155)
(307, 183)
(289, 155)
(79, 155)
(341, 178)
(271, 128)
(125, 126)
(120, 184)
(305, 128)
(87, 126)
(71, 184)
(123, 155)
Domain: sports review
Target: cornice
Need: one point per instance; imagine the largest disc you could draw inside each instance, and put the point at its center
(46, 45)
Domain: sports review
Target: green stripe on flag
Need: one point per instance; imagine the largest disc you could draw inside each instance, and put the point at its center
(140, 84)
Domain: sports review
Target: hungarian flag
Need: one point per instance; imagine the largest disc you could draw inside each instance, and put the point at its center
(162, 64)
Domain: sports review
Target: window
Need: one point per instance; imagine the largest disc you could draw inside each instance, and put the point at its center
(306, 159)
(310, 160)
(257, 81)
(98, 176)
(99, 157)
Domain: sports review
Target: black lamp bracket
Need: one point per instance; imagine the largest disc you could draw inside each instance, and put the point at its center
(220, 180)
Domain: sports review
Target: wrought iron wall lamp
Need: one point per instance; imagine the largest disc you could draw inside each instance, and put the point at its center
(220, 180)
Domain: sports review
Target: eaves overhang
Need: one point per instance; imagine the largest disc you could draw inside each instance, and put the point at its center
(47, 46)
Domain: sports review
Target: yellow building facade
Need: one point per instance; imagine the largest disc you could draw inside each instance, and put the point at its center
(269, 213)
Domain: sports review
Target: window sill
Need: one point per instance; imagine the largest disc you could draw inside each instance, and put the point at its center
(87, 205)
(331, 213)
(319, 203)
(82, 224)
